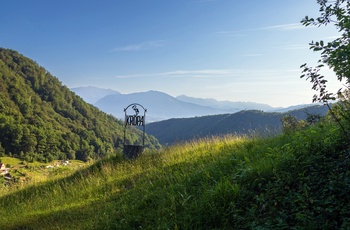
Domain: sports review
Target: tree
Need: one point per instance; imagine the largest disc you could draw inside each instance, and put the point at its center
(28, 141)
(334, 54)
(291, 124)
(2, 151)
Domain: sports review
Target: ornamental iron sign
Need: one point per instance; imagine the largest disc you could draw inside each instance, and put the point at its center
(135, 119)
(135, 115)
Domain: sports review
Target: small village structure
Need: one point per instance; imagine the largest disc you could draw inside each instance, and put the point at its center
(134, 117)
(3, 169)
(58, 164)
(5, 172)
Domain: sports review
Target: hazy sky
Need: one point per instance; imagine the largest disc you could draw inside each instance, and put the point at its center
(237, 50)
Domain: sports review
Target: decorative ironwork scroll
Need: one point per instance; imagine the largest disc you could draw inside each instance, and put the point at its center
(135, 115)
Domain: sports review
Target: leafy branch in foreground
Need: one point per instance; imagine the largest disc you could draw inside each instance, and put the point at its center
(319, 84)
(334, 54)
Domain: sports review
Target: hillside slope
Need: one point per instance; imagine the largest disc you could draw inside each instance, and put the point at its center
(40, 119)
(294, 181)
(243, 122)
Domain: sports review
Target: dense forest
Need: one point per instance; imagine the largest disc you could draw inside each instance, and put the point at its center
(246, 122)
(41, 119)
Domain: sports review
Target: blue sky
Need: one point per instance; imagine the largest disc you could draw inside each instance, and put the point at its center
(223, 49)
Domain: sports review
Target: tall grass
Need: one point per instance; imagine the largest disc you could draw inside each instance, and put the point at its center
(220, 182)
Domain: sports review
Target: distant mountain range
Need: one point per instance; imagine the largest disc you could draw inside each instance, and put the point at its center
(226, 105)
(161, 106)
(92, 94)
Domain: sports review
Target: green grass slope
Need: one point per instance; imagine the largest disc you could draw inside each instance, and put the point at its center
(295, 181)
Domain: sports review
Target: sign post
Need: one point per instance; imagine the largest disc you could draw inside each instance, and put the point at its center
(133, 117)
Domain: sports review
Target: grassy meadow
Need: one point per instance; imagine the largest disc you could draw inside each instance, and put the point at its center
(298, 180)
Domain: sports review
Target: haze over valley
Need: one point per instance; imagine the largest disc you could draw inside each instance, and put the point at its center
(161, 106)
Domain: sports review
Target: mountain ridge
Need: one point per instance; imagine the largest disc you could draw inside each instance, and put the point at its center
(245, 122)
(92, 94)
(239, 105)
(162, 106)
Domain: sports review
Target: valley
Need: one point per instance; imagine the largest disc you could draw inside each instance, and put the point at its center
(162, 106)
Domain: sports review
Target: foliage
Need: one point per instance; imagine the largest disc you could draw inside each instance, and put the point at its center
(334, 54)
(290, 124)
(341, 113)
(41, 119)
(298, 180)
(313, 118)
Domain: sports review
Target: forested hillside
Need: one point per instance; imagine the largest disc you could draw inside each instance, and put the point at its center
(244, 122)
(41, 119)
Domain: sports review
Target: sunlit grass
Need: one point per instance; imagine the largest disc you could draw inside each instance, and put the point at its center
(10, 160)
(217, 182)
(115, 176)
